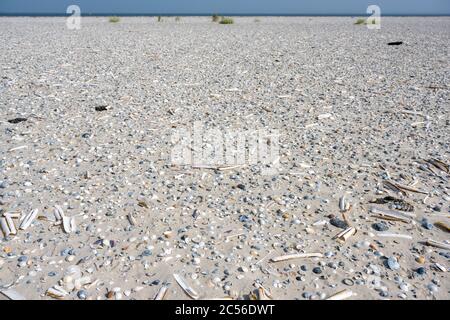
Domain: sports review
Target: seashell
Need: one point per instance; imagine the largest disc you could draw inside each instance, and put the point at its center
(344, 205)
(440, 267)
(12, 294)
(73, 271)
(187, 289)
(131, 219)
(162, 292)
(4, 227)
(28, 219)
(324, 116)
(143, 204)
(394, 235)
(79, 283)
(296, 256)
(344, 235)
(58, 212)
(263, 293)
(439, 165)
(68, 224)
(402, 189)
(57, 292)
(437, 244)
(10, 223)
(392, 215)
(341, 295)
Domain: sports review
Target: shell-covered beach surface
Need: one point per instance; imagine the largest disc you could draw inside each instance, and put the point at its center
(87, 124)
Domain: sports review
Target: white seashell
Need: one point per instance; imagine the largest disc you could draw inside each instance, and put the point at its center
(296, 256)
(344, 205)
(4, 227)
(58, 212)
(10, 223)
(341, 295)
(12, 294)
(79, 283)
(187, 289)
(162, 292)
(57, 292)
(28, 219)
(394, 235)
(344, 235)
(437, 244)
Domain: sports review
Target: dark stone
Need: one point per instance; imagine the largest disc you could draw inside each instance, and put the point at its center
(380, 226)
(101, 108)
(339, 223)
(317, 270)
(17, 120)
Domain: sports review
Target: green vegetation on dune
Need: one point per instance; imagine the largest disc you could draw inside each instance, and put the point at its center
(114, 19)
(226, 21)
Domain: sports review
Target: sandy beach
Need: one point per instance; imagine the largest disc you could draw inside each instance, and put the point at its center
(357, 190)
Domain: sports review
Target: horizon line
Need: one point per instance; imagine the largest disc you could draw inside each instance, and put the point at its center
(219, 14)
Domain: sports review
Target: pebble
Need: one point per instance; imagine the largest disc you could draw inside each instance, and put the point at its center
(392, 263)
(317, 270)
(339, 223)
(380, 226)
(82, 294)
(421, 270)
(432, 287)
(426, 224)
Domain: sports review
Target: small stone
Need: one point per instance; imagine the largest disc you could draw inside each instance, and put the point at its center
(392, 263)
(421, 270)
(243, 269)
(420, 259)
(317, 270)
(432, 287)
(307, 295)
(339, 223)
(426, 224)
(82, 294)
(244, 218)
(380, 226)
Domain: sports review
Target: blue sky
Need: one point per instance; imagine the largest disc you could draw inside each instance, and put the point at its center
(351, 7)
